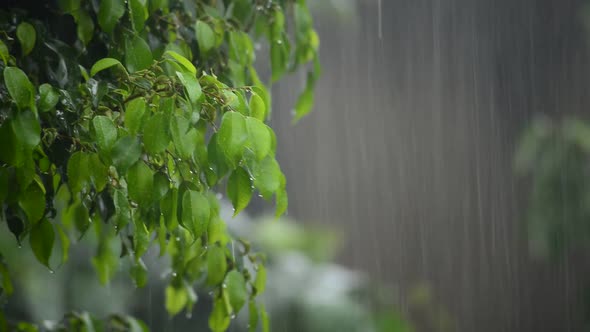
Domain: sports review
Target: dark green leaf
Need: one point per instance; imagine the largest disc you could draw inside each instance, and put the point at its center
(48, 97)
(239, 189)
(216, 265)
(26, 35)
(99, 172)
(125, 152)
(20, 88)
(155, 136)
(219, 319)
(85, 28)
(205, 36)
(195, 212)
(16, 226)
(232, 135)
(161, 186)
(104, 131)
(138, 55)
(235, 286)
(184, 141)
(123, 210)
(140, 183)
(41, 239)
(78, 172)
(27, 129)
(69, 6)
(109, 13)
(4, 54)
(32, 201)
(103, 64)
(169, 208)
(76, 215)
(138, 13)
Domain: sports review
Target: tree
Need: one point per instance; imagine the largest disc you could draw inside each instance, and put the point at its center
(123, 118)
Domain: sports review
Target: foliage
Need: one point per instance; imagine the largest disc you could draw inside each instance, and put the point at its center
(556, 156)
(123, 118)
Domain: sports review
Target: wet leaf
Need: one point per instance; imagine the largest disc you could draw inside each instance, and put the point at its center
(260, 282)
(195, 212)
(103, 64)
(257, 108)
(104, 131)
(48, 97)
(235, 286)
(155, 137)
(140, 183)
(219, 319)
(232, 136)
(41, 239)
(186, 64)
(109, 13)
(239, 189)
(134, 115)
(32, 201)
(259, 140)
(216, 265)
(138, 55)
(205, 36)
(19, 87)
(176, 299)
(125, 152)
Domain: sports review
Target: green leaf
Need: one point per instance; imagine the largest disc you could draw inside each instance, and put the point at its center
(104, 131)
(155, 136)
(232, 136)
(41, 239)
(267, 176)
(184, 142)
(138, 55)
(253, 316)
(182, 61)
(78, 172)
(26, 35)
(205, 36)
(139, 273)
(259, 140)
(134, 115)
(85, 28)
(219, 319)
(106, 261)
(236, 290)
(260, 282)
(140, 183)
(195, 212)
(217, 231)
(5, 284)
(27, 129)
(100, 172)
(257, 107)
(48, 97)
(76, 215)
(282, 200)
(65, 244)
(69, 6)
(109, 13)
(104, 63)
(176, 299)
(304, 104)
(122, 208)
(32, 201)
(169, 208)
(264, 318)
(161, 186)
(191, 85)
(239, 189)
(139, 13)
(216, 265)
(125, 152)
(4, 54)
(19, 87)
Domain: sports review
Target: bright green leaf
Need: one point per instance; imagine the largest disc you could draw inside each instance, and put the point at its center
(176, 299)
(155, 135)
(103, 64)
(138, 55)
(259, 140)
(232, 136)
(41, 239)
(216, 265)
(264, 318)
(183, 61)
(140, 183)
(109, 13)
(239, 189)
(100, 172)
(219, 319)
(257, 107)
(104, 131)
(253, 316)
(4, 54)
(125, 152)
(217, 231)
(19, 87)
(267, 176)
(304, 104)
(195, 212)
(191, 85)
(205, 36)
(260, 281)
(48, 97)
(26, 35)
(235, 286)
(134, 115)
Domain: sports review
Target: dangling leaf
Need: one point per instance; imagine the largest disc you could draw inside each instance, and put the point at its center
(41, 239)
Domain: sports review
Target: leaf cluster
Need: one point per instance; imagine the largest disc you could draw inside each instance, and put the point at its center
(128, 124)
